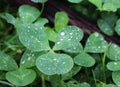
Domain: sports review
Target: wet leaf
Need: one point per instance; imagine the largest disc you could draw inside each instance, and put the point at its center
(51, 34)
(116, 77)
(29, 58)
(117, 27)
(96, 43)
(97, 3)
(7, 63)
(61, 21)
(28, 14)
(111, 85)
(39, 1)
(68, 39)
(84, 59)
(75, 1)
(114, 66)
(41, 22)
(105, 27)
(34, 38)
(21, 77)
(53, 63)
(113, 52)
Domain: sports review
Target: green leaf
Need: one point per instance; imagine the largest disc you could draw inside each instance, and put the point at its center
(114, 66)
(32, 37)
(76, 84)
(9, 18)
(7, 63)
(109, 7)
(71, 73)
(111, 85)
(28, 14)
(117, 27)
(75, 1)
(51, 34)
(61, 21)
(68, 39)
(53, 63)
(113, 52)
(29, 58)
(84, 59)
(116, 77)
(105, 27)
(96, 43)
(39, 1)
(41, 22)
(97, 3)
(21, 77)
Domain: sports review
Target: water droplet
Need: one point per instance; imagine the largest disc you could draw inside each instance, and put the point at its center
(96, 34)
(29, 58)
(62, 33)
(61, 39)
(23, 62)
(58, 42)
(54, 59)
(71, 33)
(115, 63)
(69, 39)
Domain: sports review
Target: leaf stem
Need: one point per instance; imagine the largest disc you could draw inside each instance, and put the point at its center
(103, 67)
(42, 8)
(94, 77)
(43, 81)
(6, 83)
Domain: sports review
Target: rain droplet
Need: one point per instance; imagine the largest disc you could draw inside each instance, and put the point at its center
(69, 39)
(61, 39)
(54, 59)
(58, 42)
(115, 63)
(96, 34)
(29, 58)
(62, 33)
(23, 62)
(71, 33)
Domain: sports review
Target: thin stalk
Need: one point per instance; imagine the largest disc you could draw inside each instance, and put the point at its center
(86, 74)
(43, 81)
(94, 77)
(6, 83)
(42, 9)
(103, 67)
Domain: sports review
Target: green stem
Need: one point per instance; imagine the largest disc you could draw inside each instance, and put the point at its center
(6, 83)
(86, 74)
(94, 77)
(43, 81)
(42, 9)
(103, 67)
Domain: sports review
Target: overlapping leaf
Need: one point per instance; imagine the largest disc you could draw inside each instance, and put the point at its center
(84, 59)
(39, 1)
(28, 14)
(21, 77)
(52, 63)
(114, 66)
(96, 43)
(113, 52)
(116, 77)
(68, 39)
(7, 63)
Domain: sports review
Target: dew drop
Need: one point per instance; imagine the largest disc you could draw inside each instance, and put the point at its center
(71, 33)
(58, 42)
(115, 63)
(69, 39)
(23, 62)
(62, 33)
(96, 34)
(29, 58)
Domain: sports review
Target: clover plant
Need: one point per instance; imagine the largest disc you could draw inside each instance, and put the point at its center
(56, 54)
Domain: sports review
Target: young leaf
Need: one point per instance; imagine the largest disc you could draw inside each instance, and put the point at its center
(97, 3)
(69, 38)
(39, 1)
(84, 59)
(105, 27)
(111, 85)
(61, 21)
(51, 34)
(32, 37)
(41, 22)
(21, 77)
(116, 77)
(28, 14)
(96, 44)
(9, 18)
(75, 1)
(29, 58)
(114, 66)
(117, 27)
(7, 63)
(53, 63)
(113, 52)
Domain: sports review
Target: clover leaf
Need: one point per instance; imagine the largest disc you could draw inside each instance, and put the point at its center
(114, 66)
(7, 63)
(116, 77)
(96, 43)
(39, 1)
(53, 63)
(68, 39)
(21, 77)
